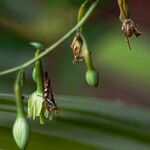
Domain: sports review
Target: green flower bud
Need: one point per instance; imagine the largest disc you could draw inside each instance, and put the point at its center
(92, 77)
(21, 132)
(37, 45)
(21, 129)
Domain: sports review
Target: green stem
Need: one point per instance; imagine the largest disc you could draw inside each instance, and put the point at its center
(88, 61)
(82, 11)
(87, 54)
(39, 73)
(55, 45)
(18, 94)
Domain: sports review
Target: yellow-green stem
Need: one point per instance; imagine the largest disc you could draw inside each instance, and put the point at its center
(18, 94)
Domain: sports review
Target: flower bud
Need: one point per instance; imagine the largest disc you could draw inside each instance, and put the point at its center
(92, 77)
(21, 132)
(37, 45)
(21, 129)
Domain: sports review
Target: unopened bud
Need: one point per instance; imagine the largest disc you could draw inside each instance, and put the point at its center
(92, 77)
(21, 132)
(37, 45)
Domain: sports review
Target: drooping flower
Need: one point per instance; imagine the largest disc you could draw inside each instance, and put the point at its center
(40, 104)
(81, 52)
(128, 28)
(36, 106)
(21, 128)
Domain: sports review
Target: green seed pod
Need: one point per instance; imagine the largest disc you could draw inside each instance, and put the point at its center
(92, 77)
(21, 129)
(21, 132)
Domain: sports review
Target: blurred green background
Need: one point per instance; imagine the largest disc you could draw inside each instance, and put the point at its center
(124, 74)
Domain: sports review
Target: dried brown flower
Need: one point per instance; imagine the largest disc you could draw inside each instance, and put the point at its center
(130, 28)
(77, 50)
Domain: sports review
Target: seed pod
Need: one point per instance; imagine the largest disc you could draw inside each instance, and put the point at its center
(21, 129)
(21, 132)
(92, 77)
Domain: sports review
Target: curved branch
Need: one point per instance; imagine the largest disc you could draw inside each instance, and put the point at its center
(55, 45)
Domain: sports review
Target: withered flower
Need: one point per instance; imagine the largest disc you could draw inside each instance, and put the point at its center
(77, 48)
(80, 50)
(130, 28)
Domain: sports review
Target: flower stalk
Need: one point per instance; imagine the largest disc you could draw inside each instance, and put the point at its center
(80, 49)
(21, 128)
(18, 92)
(36, 100)
(41, 103)
(129, 28)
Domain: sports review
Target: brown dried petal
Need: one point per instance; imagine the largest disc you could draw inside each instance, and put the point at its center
(77, 48)
(130, 28)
